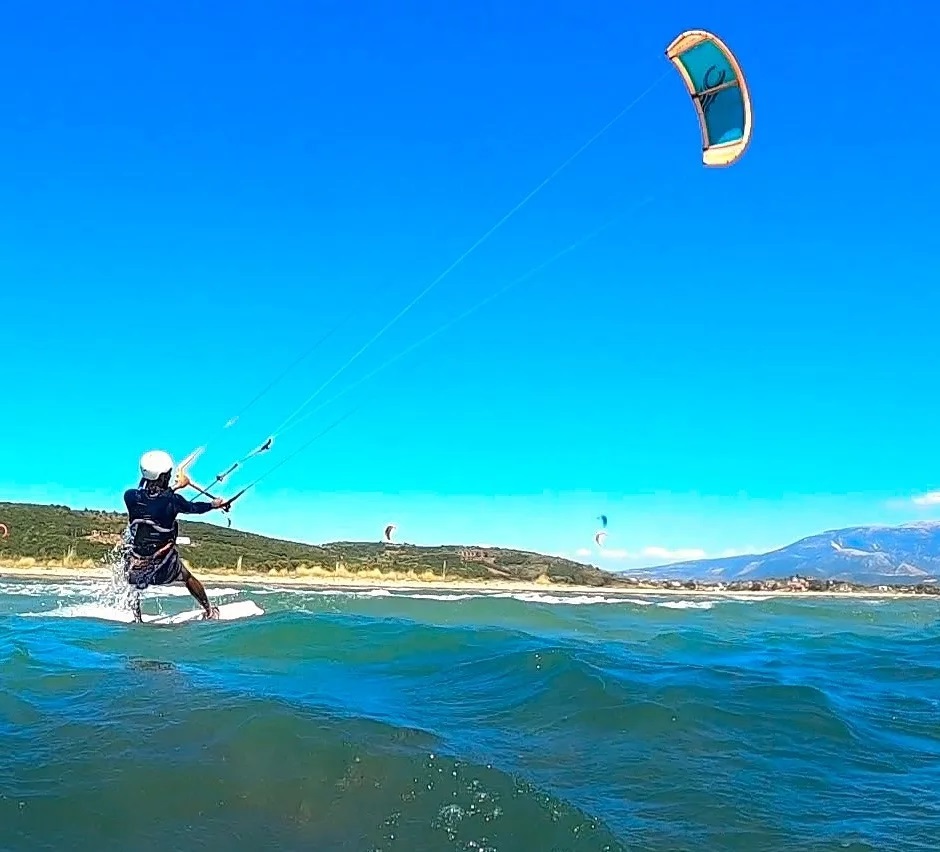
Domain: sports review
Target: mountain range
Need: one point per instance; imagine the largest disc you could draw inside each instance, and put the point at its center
(866, 555)
(869, 555)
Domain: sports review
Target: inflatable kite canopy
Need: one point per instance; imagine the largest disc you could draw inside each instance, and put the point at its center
(716, 84)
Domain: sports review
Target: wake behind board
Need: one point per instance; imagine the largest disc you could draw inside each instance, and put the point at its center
(227, 612)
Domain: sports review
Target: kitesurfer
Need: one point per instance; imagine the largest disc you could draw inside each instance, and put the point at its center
(152, 558)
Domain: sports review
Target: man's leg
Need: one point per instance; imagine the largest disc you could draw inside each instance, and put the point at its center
(198, 591)
(132, 599)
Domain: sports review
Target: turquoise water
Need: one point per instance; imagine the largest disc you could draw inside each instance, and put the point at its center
(375, 721)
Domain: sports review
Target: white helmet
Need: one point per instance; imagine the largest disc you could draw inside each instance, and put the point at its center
(154, 464)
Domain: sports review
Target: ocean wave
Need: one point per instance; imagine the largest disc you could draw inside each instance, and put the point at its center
(531, 597)
(91, 588)
(102, 590)
(86, 610)
(683, 604)
(260, 773)
(339, 720)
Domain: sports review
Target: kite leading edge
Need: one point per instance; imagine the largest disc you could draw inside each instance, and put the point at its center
(716, 84)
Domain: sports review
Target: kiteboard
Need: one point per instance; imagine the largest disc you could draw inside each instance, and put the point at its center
(227, 612)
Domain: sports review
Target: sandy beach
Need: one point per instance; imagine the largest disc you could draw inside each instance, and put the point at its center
(392, 582)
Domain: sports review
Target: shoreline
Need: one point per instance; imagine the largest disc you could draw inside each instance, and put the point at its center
(352, 583)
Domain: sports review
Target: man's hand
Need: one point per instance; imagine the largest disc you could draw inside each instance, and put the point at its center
(182, 480)
(219, 502)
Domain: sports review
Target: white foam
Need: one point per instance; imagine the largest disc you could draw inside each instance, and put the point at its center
(103, 594)
(324, 593)
(420, 596)
(95, 589)
(46, 589)
(570, 600)
(748, 597)
(686, 604)
(455, 596)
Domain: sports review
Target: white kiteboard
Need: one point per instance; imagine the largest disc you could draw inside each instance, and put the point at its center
(227, 612)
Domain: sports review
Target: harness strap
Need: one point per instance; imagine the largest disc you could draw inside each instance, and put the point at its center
(142, 569)
(137, 559)
(147, 566)
(149, 523)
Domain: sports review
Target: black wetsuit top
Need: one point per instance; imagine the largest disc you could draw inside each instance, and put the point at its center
(158, 513)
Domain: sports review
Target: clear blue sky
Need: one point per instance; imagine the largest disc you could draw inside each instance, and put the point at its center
(193, 192)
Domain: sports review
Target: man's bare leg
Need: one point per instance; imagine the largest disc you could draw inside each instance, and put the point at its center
(198, 591)
(132, 595)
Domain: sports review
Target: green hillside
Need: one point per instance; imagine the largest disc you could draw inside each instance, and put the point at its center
(58, 535)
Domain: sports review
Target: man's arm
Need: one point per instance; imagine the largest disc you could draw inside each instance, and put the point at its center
(191, 507)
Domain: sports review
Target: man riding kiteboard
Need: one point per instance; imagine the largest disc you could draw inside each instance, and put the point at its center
(152, 508)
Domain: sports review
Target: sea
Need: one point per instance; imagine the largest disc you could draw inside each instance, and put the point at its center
(402, 721)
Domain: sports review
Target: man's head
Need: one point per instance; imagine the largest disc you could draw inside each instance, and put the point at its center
(155, 469)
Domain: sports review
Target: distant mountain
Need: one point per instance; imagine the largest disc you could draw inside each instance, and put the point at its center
(872, 555)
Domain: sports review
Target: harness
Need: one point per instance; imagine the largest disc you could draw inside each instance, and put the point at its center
(142, 569)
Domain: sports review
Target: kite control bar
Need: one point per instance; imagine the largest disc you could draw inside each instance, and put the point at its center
(183, 480)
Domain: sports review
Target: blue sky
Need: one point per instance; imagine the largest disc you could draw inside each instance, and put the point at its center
(193, 193)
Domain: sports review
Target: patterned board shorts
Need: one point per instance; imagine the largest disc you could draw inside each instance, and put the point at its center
(159, 571)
